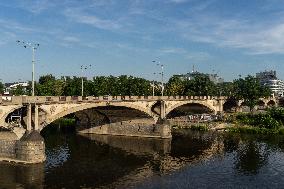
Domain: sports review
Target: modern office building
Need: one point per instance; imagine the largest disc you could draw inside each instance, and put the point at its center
(269, 78)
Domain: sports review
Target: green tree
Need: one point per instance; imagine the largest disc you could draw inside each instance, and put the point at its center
(49, 86)
(19, 90)
(1, 87)
(175, 86)
(72, 86)
(200, 85)
(250, 90)
(225, 89)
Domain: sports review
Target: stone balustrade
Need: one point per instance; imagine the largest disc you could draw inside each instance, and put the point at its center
(9, 100)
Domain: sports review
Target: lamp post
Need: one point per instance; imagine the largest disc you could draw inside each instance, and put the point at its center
(33, 47)
(153, 85)
(83, 67)
(162, 74)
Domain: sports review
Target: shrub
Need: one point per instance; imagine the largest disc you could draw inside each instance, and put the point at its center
(277, 114)
(199, 127)
(259, 120)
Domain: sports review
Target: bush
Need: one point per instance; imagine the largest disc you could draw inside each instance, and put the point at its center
(260, 120)
(277, 114)
(199, 127)
(254, 130)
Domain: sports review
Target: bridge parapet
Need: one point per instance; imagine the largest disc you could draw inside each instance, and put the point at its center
(14, 100)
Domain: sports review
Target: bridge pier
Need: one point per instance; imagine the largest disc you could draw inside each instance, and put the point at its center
(30, 148)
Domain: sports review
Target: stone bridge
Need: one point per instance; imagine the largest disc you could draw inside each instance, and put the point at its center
(39, 111)
(143, 116)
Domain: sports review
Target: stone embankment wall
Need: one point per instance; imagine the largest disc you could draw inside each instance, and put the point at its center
(132, 128)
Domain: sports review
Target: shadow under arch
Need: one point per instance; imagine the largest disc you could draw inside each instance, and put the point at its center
(99, 115)
(189, 108)
(230, 105)
(271, 103)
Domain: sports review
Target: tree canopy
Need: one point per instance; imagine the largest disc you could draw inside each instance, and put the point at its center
(250, 90)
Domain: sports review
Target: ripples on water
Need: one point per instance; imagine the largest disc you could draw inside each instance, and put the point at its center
(189, 160)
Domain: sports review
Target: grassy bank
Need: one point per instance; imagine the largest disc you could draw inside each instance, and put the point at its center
(196, 127)
(64, 125)
(64, 122)
(269, 123)
(255, 130)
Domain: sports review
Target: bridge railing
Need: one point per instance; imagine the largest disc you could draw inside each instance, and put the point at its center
(63, 99)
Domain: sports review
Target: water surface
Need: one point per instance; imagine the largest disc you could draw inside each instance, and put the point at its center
(189, 160)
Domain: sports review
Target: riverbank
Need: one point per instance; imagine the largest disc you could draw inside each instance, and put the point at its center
(228, 127)
(270, 122)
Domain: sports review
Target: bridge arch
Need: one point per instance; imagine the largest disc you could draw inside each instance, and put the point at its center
(210, 107)
(5, 111)
(260, 103)
(231, 104)
(271, 103)
(50, 117)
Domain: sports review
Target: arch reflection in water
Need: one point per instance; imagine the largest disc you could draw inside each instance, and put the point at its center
(21, 176)
(134, 145)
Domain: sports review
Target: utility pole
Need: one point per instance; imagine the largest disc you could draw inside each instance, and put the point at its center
(162, 74)
(83, 67)
(153, 85)
(33, 47)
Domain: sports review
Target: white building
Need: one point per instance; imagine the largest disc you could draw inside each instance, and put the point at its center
(13, 86)
(269, 78)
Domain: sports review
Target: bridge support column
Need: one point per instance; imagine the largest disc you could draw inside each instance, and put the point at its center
(36, 127)
(221, 102)
(163, 110)
(29, 117)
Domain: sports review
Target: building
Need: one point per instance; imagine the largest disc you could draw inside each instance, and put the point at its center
(189, 76)
(269, 78)
(13, 86)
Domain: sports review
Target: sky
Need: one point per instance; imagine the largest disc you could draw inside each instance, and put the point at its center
(123, 37)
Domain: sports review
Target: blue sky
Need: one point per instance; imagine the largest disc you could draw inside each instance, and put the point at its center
(228, 37)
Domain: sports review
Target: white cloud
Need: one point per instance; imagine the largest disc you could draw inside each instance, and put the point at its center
(198, 56)
(255, 37)
(71, 39)
(79, 16)
(172, 50)
(178, 1)
(36, 6)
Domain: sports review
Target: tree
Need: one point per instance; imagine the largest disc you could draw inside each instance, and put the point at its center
(175, 86)
(250, 90)
(19, 90)
(200, 85)
(225, 89)
(1, 87)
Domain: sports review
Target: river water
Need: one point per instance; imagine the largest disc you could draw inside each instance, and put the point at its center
(190, 160)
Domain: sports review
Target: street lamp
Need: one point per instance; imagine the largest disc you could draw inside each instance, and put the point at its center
(83, 67)
(33, 47)
(153, 85)
(162, 74)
